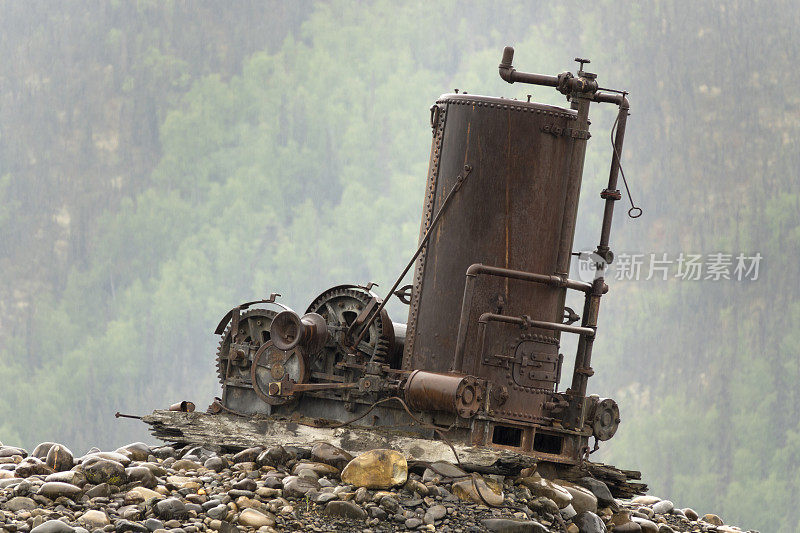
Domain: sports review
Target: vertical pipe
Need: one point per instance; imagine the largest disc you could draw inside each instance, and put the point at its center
(463, 324)
(608, 214)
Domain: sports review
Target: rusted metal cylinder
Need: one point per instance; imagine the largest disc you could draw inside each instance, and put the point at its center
(184, 407)
(515, 212)
(452, 393)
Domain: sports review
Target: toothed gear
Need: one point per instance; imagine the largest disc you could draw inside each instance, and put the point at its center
(254, 326)
(340, 306)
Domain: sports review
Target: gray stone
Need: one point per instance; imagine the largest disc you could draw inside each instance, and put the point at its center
(345, 510)
(59, 458)
(663, 507)
(378, 513)
(246, 484)
(324, 497)
(219, 512)
(74, 477)
(153, 523)
(442, 470)
(435, 513)
(126, 525)
(275, 456)
(53, 526)
(588, 522)
(103, 490)
(247, 456)
(216, 463)
(171, 509)
(507, 525)
(690, 513)
(20, 503)
(391, 504)
(568, 512)
(324, 452)
(600, 490)
(413, 523)
(138, 451)
(54, 489)
(31, 466)
(297, 487)
(646, 525)
(141, 475)
(40, 452)
(105, 471)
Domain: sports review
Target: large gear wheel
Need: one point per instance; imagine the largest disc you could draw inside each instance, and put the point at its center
(254, 330)
(340, 306)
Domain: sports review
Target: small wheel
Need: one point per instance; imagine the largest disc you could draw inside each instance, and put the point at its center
(271, 365)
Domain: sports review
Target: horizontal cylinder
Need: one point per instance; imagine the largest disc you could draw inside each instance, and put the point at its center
(451, 393)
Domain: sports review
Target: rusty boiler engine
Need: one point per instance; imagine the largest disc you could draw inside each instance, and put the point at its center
(479, 358)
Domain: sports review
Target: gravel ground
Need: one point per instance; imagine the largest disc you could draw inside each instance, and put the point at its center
(192, 489)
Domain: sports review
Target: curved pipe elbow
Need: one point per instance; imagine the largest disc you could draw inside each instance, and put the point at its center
(507, 73)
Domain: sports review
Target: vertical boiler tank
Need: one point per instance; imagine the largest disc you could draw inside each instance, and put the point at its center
(520, 165)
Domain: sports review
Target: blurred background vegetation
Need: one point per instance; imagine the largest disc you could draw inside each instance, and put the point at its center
(162, 161)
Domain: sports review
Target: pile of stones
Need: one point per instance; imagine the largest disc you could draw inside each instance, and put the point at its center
(190, 489)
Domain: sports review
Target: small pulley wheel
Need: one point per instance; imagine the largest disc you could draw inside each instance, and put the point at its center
(272, 365)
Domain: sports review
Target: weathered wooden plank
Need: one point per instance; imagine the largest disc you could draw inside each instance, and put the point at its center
(233, 433)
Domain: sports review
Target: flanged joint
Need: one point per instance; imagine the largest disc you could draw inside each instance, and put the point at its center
(605, 420)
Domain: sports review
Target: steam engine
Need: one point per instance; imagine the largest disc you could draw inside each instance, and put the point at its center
(479, 358)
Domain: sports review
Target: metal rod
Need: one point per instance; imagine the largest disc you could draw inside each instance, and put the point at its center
(524, 321)
(120, 415)
(459, 182)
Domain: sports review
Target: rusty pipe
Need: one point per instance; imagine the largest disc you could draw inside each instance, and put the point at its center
(564, 82)
(183, 407)
(477, 269)
(613, 175)
(511, 75)
(485, 318)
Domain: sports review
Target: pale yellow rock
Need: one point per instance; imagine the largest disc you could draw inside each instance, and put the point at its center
(94, 519)
(645, 500)
(376, 469)
(490, 492)
(255, 519)
(572, 528)
(142, 494)
(543, 487)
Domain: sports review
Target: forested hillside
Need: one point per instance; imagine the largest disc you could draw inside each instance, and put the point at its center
(162, 161)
